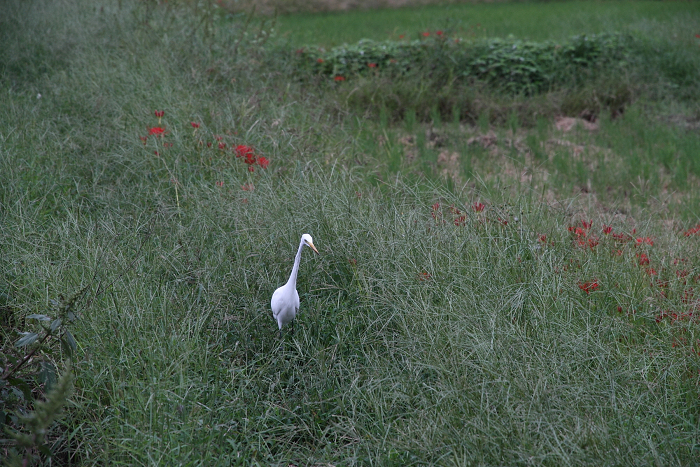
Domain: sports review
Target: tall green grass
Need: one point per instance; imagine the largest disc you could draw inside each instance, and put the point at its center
(430, 332)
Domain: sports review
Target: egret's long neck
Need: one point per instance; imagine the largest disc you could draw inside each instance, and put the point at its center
(293, 276)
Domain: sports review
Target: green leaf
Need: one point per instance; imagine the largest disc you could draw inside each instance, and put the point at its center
(39, 317)
(22, 385)
(70, 340)
(55, 324)
(29, 338)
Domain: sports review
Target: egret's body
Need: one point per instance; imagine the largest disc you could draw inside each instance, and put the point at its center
(285, 300)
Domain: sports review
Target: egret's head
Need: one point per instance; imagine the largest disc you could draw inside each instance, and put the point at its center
(308, 241)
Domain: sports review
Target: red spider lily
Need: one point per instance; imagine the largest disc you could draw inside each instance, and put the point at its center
(218, 138)
(426, 34)
(143, 139)
(589, 286)
(586, 225)
(503, 221)
(543, 238)
(339, 78)
(156, 153)
(167, 145)
(682, 273)
(263, 162)
(160, 113)
(461, 220)
(593, 242)
(319, 60)
(251, 168)
(219, 184)
(243, 151)
(478, 206)
(643, 240)
(607, 229)
(424, 276)
(222, 145)
(436, 206)
(651, 271)
(619, 309)
(250, 159)
(401, 36)
(621, 237)
(438, 32)
(643, 259)
(372, 65)
(692, 231)
(247, 187)
(697, 36)
(208, 144)
(157, 131)
(195, 125)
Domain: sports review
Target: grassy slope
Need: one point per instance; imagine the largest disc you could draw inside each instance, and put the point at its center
(420, 341)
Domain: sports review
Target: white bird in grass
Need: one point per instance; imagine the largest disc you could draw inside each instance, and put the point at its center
(285, 300)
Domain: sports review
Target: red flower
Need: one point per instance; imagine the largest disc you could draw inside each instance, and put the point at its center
(587, 225)
(194, 124)
(167, 145)
(477, 206)
(263, 162)
(643, 259)
(692, 231)
(372, 65)
(160, 113)
(218, 138)
(424, 276)
(143, 139)
(461, 220)
(208, 144)
(401, 36)
(436, 206)
(219, 184)
(593, 242)
(222, 145)
(339, 78)
(247, 187)
(697, 36)
(156, 130)
(643, 240)
(319, 60)
(438, 32)
(588, 287)
(426, 33)
(242, 150)
(607, 229)
(251, 168)
(543, 238)
(156, 153)
(250, 159)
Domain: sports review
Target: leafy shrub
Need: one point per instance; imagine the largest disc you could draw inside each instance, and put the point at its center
(512, 64)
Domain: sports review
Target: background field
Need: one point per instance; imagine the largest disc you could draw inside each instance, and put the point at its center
(492, 288)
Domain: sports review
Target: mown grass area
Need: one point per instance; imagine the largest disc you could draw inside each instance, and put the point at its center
(676, 21)
(491, 291)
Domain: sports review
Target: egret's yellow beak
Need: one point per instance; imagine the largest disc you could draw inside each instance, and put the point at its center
(311, 245)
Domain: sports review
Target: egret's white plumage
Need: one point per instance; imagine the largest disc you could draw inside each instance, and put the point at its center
(285, 300)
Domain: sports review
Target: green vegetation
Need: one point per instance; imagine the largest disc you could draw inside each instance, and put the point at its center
(492, 288)
(535, 21)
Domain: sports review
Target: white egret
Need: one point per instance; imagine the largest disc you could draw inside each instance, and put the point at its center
(285, 300)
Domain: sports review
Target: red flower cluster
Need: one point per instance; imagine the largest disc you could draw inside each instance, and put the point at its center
(647, 240)
(478, 206)
(372, 65)
(156, 131)
(589, 286)
(692, 231)
(160, 113)
(250, 158)
(339, 78)
(582, 237)
(424, 276)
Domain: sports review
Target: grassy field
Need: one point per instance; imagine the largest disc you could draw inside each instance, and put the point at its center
(676, 21)
(489, 291)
